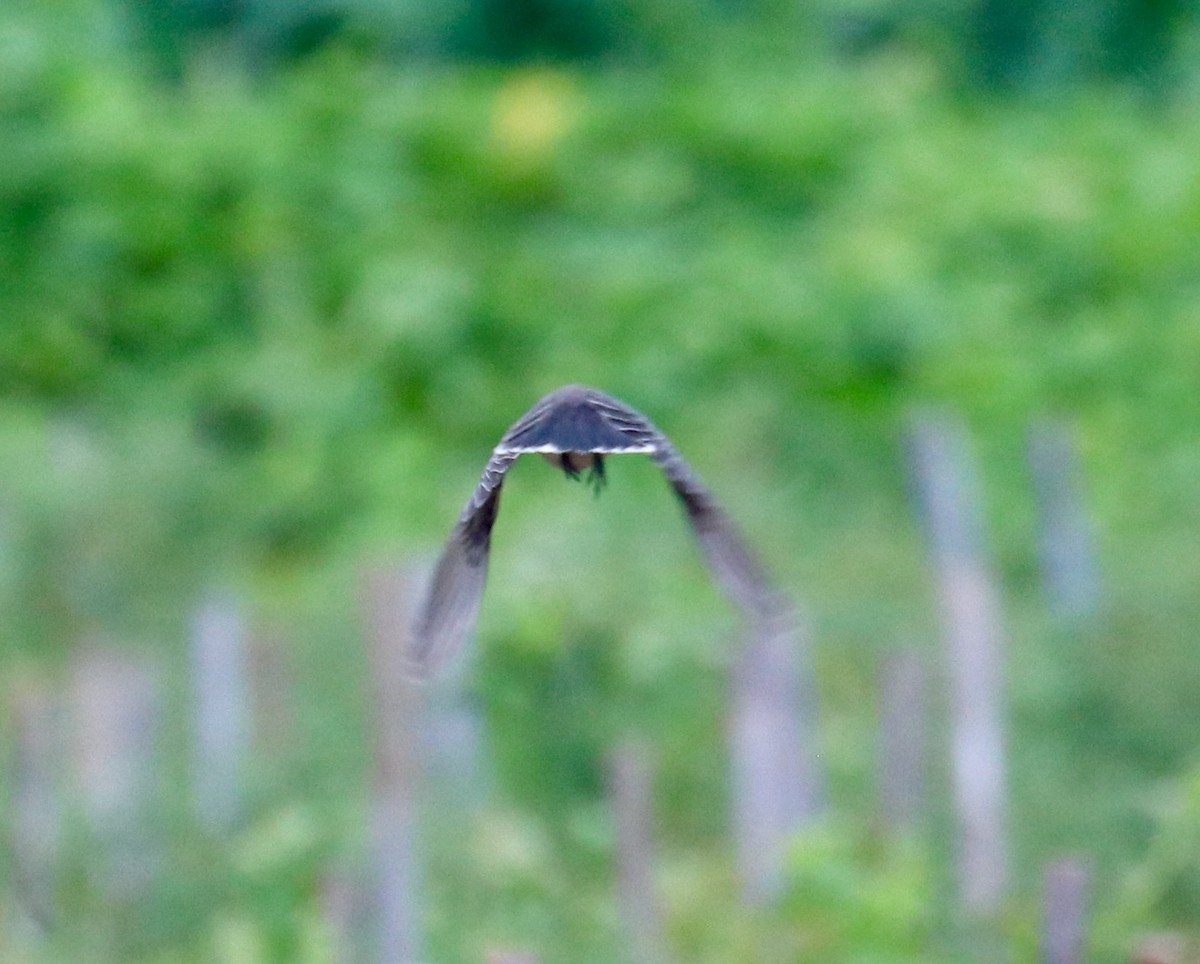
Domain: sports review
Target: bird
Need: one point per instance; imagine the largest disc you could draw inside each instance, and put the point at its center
(575, 428)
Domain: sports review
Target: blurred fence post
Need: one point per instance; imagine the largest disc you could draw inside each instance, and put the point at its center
(342, 904)
(388, 599)
(117, 702)
(632, 788)
(970, 607)
(776, 781)
(272, 706)
(221, 710)
(1066, 555)
(1064, 911)
(453, 741)
(39, 750)
(901, 741)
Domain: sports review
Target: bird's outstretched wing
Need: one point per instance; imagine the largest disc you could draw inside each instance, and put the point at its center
(575, 419)
(451, 604)
(732, 564)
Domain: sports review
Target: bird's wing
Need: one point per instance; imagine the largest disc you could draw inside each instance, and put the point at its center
(568, 420)
(533, 420)
(731, 562)
(451, 605)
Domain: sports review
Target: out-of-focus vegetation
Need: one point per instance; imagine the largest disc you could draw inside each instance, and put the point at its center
(272, 285)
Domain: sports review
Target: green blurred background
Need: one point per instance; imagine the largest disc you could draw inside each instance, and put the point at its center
(274, 277)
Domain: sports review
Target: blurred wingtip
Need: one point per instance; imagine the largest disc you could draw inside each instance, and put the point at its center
(737, 571)
(448, 611)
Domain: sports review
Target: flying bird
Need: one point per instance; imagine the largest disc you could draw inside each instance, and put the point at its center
(575, 428)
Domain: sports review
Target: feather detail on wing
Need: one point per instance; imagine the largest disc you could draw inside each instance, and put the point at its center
(729, 559)
(732, 564)
(571, 420)
(451, 604)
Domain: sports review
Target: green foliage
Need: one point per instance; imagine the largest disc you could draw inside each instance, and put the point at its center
(1030, 44)
(260, 326)
(1162, 891)
(851, 899)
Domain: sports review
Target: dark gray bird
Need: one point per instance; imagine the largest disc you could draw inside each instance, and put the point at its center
(575, 428)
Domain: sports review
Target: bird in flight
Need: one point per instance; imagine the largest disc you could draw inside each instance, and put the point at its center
(575, 428)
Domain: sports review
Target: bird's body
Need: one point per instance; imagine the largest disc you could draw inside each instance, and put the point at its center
(574, 463)
(575, 428)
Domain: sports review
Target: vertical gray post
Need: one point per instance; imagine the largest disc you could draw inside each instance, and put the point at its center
(453, 740)
(37, 805)
(776, 781)
(631, 781)
(271, 683)
(1065, 550)
(341, 902)
(117, 703)
(901, 741)
(1064, 911)
(970, 611)
(221, 710)
(397, 702)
